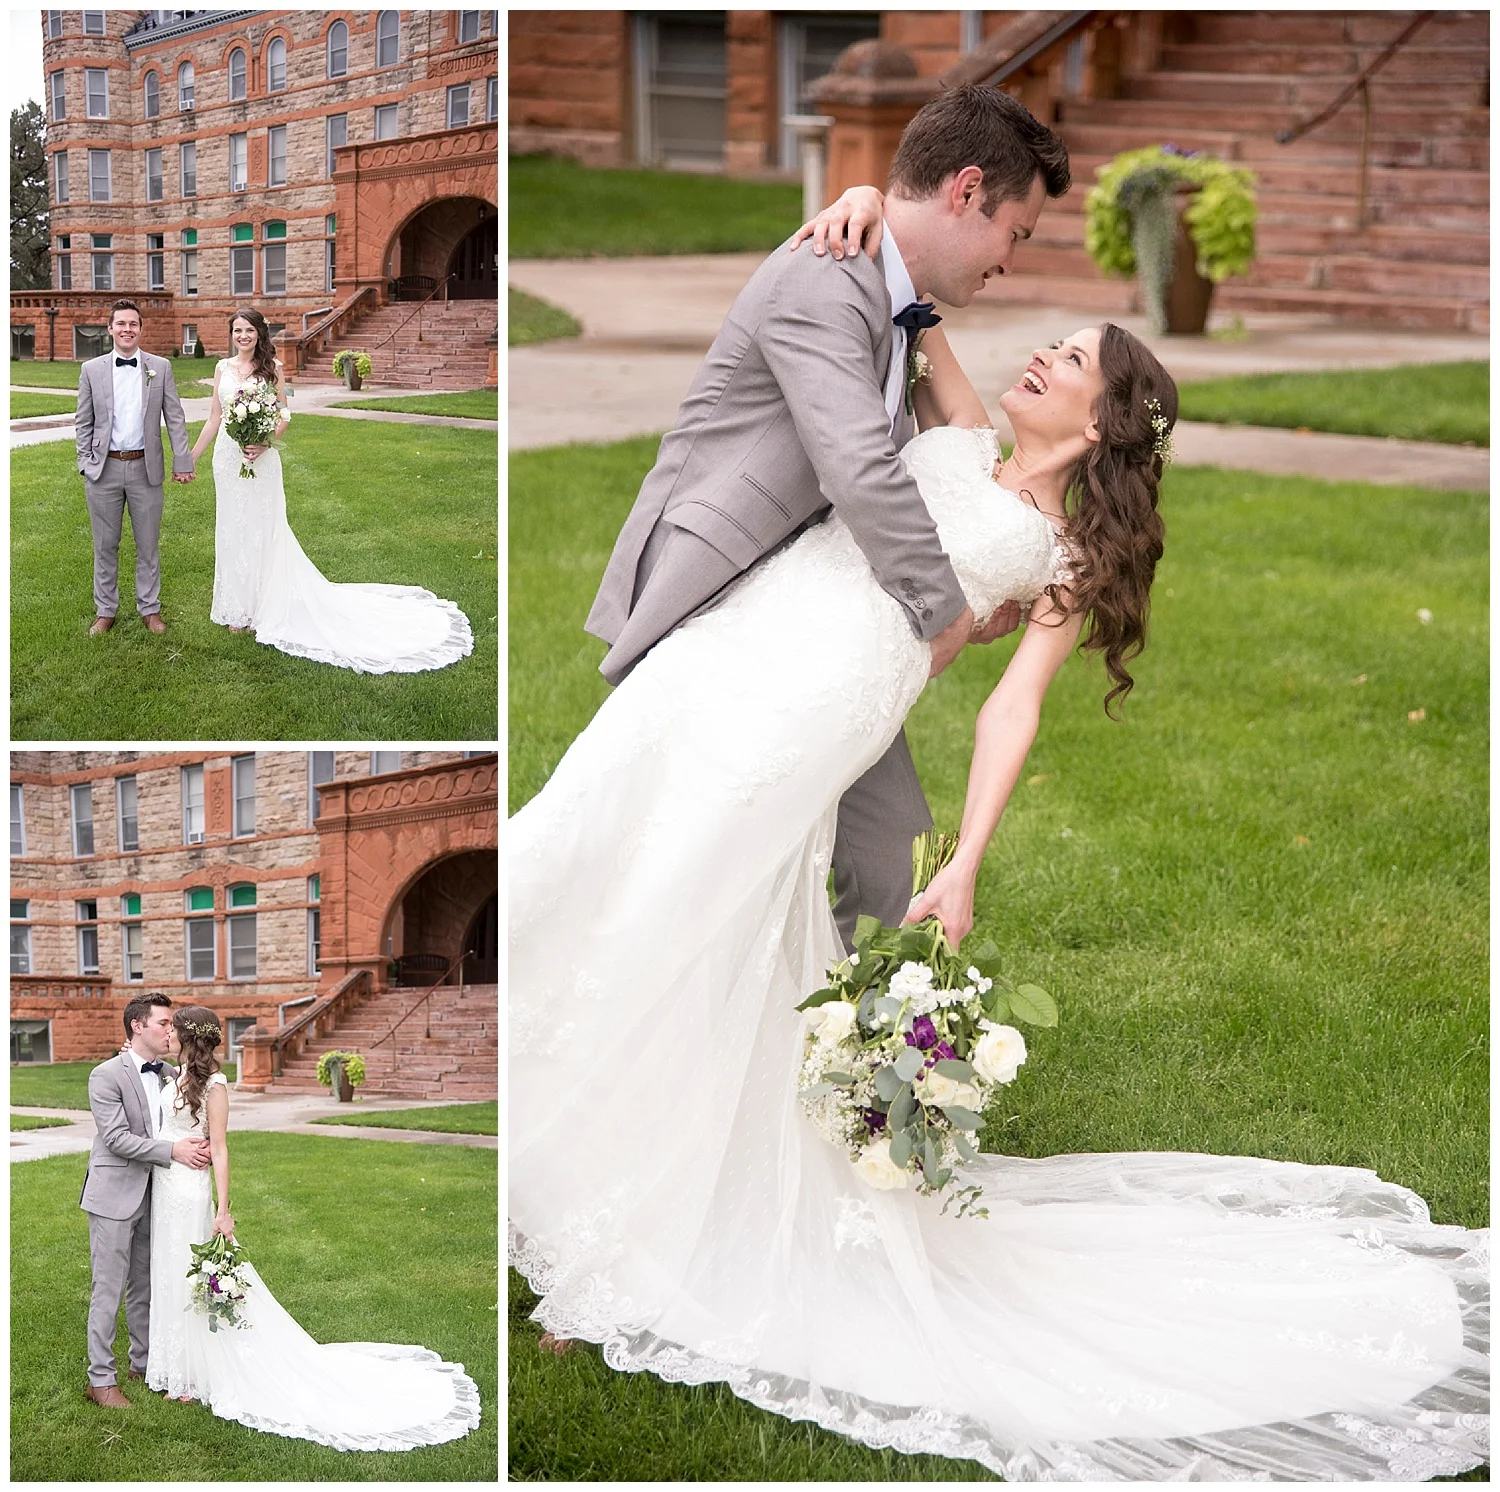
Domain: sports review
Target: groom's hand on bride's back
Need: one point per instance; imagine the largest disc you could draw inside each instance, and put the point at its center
(191, 1153)
(949, 643)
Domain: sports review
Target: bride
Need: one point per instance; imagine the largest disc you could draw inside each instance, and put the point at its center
(272, 1376)
(1127, 1316)
(264, 583)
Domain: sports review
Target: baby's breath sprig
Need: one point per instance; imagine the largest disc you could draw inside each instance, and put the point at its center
(1161, 446)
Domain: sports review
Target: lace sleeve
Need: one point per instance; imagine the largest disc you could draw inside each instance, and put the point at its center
(987, 444)
(1065, 562)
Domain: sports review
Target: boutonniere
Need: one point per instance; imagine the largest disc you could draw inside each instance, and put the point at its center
(150, 373)
(918, 370)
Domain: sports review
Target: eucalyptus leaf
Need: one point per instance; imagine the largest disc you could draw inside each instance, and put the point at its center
(888, 1084)
(901, 1148)
(902, 1107)
(960, 1117)
(1033, 1004)
(888, 1007)
(908, 1064)
(818, 1090)
(944, 1176)
(965, 1148)
(951, 1067)
(929, 1162)
(843, 1079)
(823, 997)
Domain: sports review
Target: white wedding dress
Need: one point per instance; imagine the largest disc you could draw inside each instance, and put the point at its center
(272, 1376)
(263, 580)
(1129, 1316)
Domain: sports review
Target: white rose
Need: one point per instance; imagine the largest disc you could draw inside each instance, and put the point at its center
(1000, 1051)
(876, 1168)
(833, 1022)
(943, 1091)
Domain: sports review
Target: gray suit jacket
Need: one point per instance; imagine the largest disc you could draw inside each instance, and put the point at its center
(786, 417)
(124, 1148)
(96, 408)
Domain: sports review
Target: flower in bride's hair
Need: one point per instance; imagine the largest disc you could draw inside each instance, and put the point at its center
(999, 1053)
(876, 1168)
(833, 1022)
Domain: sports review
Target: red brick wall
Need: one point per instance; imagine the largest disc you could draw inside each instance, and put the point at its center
(567, 83)
(752, 120)
(931, 36)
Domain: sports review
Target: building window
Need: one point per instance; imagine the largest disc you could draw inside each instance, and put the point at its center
(54, 24)
(492, 99)
(87, 914)
(59, 96)
(93, 23)
(458, 106)
(104, 271)
(329, 268)
(188, 157)
(156, 261)
(242, 934)
(96, 92)
(17, 822)
(388, 38)
(199, 934)
(60, 177)
(133, 946)
(153, 175)
(90, 341)
(314, 926)
(192, 805)
(243, 768)
(276, 66)
(190, 328)
(338, 134)
(99, 176)
(237, 162)
(338, 50)
(130, 833)
(385, 122)
(236, 75)
(242, 271)
(65, 272)
(83, 818)
(468, 25)
(185, 87)
(276, 155)
(234, 1036)
(320, 768)
(190, 278)
(273, 272)
(20, 937)
(153, 96)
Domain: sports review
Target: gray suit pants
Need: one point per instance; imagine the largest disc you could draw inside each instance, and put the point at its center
(880, 813)
(120, 485)
(120, 1261)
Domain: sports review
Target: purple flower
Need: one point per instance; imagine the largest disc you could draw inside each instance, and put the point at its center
(1170, 149)
(944, 1050)
(874, 1120)
(922, 1034)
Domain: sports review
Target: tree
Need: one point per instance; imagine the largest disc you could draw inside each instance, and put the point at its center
(30, 222)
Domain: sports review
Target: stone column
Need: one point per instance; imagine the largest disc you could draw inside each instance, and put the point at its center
(255, 1060)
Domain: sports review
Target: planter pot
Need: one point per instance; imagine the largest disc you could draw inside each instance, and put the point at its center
(1189, 294)
(343, 1089)
(351, 377)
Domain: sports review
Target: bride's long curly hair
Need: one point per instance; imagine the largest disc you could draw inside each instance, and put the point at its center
(1114, 529)
(263, 359)
(199, 1030)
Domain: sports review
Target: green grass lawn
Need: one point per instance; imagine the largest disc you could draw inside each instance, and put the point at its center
(358, 1240)
(447, 1119)
(28, 406)
(368, 502)
(62, 1085)
(477, 404)
(34, 1121)
(1261, 900)
(533, 319)
(193, 378)
(561, 210)
(1447, 402)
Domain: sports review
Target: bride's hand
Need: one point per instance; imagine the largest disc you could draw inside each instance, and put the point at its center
(251, 452)
(857, 215)
(223, 1223)
(950, 898)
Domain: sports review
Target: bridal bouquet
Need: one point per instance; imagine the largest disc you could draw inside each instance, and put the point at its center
(251, 417)
(906, 1045)
(219, 1282)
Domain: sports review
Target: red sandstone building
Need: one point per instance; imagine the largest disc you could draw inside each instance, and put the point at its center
(1388, 226)
(337, 169)
(333, 888)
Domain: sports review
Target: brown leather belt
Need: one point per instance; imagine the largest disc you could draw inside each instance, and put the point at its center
(127, 455)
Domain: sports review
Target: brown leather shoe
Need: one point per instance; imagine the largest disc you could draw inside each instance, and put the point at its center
(136, 1373)
(108, 1397)
(154, 623)
(102, 624)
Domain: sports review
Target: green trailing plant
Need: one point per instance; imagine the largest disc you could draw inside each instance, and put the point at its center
(341, 362)
(351, 1062)
(1131, 219)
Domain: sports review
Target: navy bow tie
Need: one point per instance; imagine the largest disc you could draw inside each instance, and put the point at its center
(918, 316)
(129, 362)
(151, 1067)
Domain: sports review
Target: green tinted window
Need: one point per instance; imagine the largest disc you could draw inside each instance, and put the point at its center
(201, 899)
(242, 896)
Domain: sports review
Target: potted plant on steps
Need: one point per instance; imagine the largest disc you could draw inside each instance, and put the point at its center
(1182, 221)
(343, 1072)
(352, 366)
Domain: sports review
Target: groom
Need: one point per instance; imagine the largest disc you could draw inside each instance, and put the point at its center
(125, 1096)
(801, 406)
(123, 398)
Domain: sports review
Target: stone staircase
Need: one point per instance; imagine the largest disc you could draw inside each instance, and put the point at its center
(460, 1062)
(1422, 260)
(448, 345)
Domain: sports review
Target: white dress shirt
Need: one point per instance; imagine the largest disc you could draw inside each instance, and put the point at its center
(127, 430)
(150, 1081)
(903, 293)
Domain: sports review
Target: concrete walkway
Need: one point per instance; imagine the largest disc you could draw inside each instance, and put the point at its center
(648, 321)
(288, 1113)
(307, 398)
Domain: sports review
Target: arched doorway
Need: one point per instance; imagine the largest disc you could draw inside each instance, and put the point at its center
(452, 236)
(441, 915)
(482, 944)
(475, 266)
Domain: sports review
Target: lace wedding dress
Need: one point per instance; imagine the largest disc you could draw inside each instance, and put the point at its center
(272, 1376)
(263, 580)
(1130, 1316)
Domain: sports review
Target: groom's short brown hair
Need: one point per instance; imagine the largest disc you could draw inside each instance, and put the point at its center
(139, 1009)
(125, 305)
(979, 126)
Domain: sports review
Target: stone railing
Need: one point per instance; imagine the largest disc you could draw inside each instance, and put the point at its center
(319, 336)
(262, 1053)
(60, 987)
